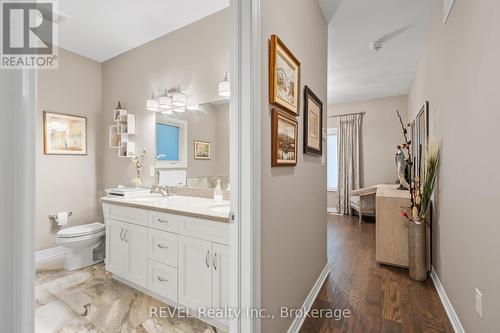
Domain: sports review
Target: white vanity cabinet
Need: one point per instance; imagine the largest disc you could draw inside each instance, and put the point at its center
(182, 260)
(203, 273)
(126, 254)
(220, 275)
(195, 272)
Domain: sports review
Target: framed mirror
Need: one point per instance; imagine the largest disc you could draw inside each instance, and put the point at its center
(194, 145)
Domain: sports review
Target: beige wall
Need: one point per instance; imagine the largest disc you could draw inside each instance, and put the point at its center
(68, 183)
(195, 56)
(459, 74)
(380, 134)
(293, 222)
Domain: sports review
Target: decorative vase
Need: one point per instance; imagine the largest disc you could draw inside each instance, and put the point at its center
(137, 181)
(417, 250)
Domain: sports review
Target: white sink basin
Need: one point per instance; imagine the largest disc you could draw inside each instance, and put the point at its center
(221, 208)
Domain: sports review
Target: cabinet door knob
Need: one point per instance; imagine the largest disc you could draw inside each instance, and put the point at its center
(215, 261)
(121, 234)
(161, 246)
(161, 279)
(125, 236)
(162, 221)
(207, 258)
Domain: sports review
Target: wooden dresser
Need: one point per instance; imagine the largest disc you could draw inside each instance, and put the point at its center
(391, 228)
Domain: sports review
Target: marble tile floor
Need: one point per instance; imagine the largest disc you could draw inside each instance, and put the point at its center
(90, 301)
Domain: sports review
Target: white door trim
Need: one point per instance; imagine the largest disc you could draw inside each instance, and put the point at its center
(245, 161)
(17, 234)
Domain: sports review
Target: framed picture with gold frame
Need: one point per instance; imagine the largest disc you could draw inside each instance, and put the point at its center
(313, 123)
(284, 76)
(64, 134)
(283, 139)
(202, 150)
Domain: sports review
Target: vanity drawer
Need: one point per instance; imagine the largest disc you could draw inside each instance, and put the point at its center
(162, 279)
(125, 214)
(162, 247)
(218, 232)
(163, 221)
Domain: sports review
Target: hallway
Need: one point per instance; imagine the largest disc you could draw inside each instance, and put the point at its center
(380, 298)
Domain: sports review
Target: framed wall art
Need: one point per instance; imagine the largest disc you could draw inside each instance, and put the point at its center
(64, 134)
(421, 139)
(313, 123)
(283, 139)
(201, 150)
(284, 77)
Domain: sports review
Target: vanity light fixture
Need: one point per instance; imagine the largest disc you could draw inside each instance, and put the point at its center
(153, 104)
(225, 87)
(172, 100)
(165, 103)
(178, 98)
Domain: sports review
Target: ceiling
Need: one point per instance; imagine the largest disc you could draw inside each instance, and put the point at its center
(101, 29)
(355, 72)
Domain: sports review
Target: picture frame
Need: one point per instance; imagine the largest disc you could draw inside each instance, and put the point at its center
(284, 77)
(284, 139)
(202, 150)
(313, 123)
(421, 139)
(64, 134)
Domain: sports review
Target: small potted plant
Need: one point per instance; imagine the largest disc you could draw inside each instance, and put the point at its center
(420, 200)
(138, 163)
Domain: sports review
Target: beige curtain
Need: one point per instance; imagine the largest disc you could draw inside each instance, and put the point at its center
(349, 136)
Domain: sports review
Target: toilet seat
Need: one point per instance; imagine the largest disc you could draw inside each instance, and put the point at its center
(82, 230)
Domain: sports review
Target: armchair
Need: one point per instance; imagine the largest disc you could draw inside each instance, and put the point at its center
(363, 201)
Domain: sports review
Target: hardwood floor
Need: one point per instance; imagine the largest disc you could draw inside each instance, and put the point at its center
(380, 298)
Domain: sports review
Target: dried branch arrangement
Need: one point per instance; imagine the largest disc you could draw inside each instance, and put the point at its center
(420, 191)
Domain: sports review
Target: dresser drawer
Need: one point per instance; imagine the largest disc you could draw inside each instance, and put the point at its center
(163, 221)
(125, 214)
(162, 246)
(162, 279)
(218, 232)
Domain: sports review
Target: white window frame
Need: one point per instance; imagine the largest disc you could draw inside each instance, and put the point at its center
(332, 131)
(183, 144)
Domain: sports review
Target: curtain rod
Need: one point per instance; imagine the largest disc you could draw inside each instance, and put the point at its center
(348, 114)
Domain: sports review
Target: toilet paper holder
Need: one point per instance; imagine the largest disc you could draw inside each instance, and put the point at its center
(54, 216)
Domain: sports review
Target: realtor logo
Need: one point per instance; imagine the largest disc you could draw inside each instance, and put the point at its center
(28, 35)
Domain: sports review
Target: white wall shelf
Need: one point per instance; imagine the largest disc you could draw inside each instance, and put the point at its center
(120, 132)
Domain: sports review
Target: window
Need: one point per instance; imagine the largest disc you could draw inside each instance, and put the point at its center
(167, 142)
(171, 143)
(332, 160)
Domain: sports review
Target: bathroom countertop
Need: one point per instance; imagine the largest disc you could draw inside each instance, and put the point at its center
(202, 208)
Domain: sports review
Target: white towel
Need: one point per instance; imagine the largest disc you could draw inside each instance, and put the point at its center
(62, 218)
(172, 177)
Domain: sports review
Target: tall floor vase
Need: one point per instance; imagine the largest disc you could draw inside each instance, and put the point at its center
(417, 251)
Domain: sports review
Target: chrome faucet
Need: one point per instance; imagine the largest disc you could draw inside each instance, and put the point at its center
(163, 189)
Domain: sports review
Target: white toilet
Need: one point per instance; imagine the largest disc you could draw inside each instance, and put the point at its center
(84, 245)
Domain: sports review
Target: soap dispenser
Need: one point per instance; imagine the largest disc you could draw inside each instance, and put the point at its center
(218, 195)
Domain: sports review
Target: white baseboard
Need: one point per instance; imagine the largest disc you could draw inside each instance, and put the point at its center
(298, 321)
(452, 315)
(49, 253)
